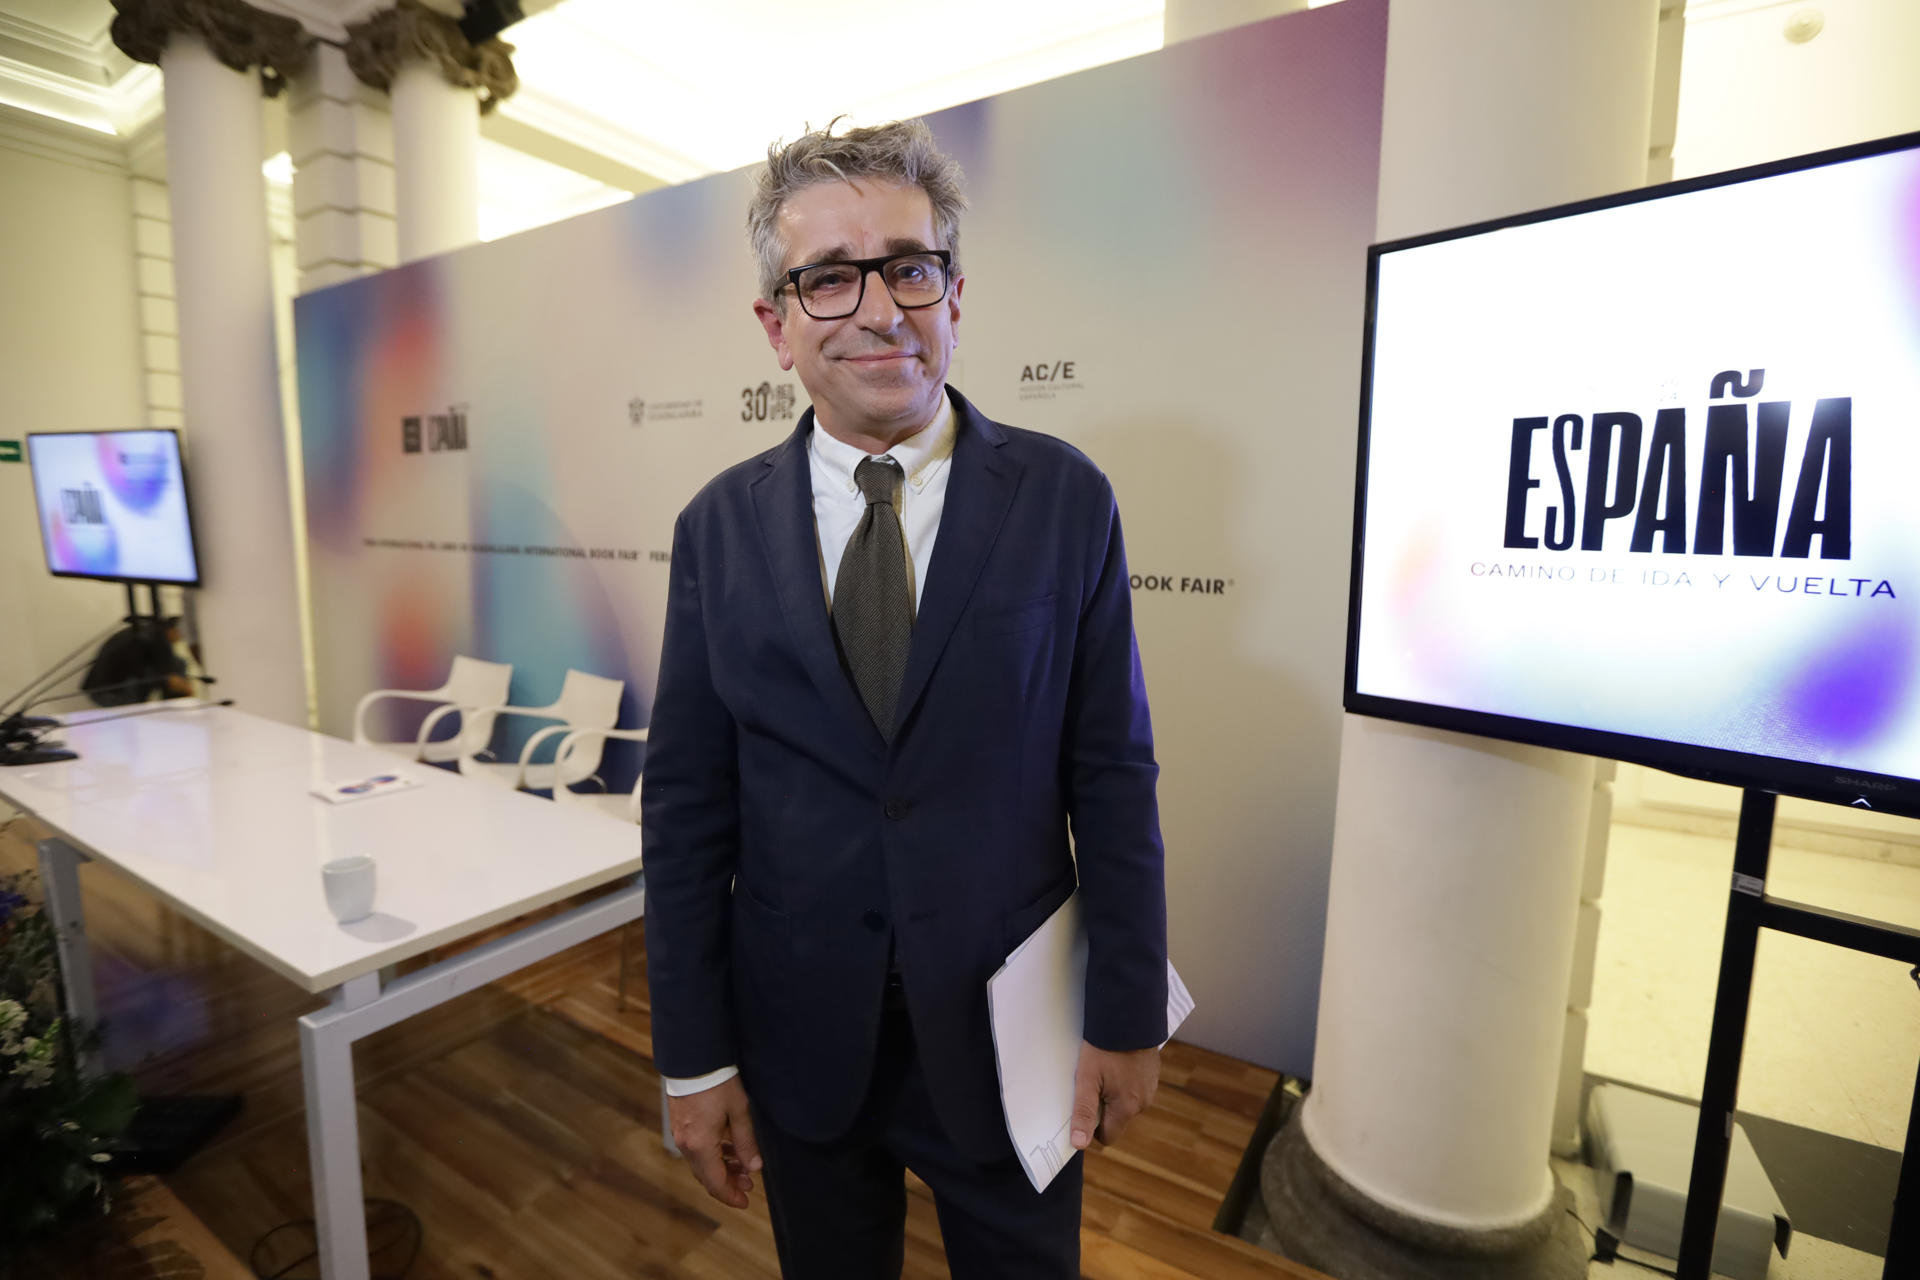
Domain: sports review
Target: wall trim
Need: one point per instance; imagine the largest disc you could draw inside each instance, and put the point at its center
(51, 139)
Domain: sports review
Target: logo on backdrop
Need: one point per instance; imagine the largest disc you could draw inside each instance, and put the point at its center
(768, 402)
(641, 411)
(1174, 584)
(437, 432)
(1743, 488)
(1046, 379)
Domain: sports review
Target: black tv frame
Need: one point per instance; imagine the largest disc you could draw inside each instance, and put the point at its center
(186, 496)
(1882, 793)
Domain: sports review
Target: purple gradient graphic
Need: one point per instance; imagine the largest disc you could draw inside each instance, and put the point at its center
(90, 549)
(137, 469)
(1849, 692)
(1907, 237)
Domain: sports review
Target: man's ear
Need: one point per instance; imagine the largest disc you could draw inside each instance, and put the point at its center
(775, 324)
(953, 307)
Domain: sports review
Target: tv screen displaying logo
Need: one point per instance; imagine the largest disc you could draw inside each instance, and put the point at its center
(113, 505)
(1647, 471)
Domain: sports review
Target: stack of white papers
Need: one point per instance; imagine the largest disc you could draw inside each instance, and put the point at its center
(1037, 1006)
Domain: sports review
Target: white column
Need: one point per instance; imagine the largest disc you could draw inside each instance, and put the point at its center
(1456, 860)
(436, 161)
(248, 606)
(340, 134)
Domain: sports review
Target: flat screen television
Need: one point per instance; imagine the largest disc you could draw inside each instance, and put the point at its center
(1640, 477)
(113, 505)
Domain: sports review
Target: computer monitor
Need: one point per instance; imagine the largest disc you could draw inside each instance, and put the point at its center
(1640, 477)
(113, 506)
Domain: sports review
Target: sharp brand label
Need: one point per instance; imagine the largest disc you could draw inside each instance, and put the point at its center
(82, 505)
(442, 431)
(1742, 484)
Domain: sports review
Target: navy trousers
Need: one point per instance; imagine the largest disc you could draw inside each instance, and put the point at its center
(839, 1209)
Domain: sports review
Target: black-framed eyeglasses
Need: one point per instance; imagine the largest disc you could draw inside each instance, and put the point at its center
(832, 290)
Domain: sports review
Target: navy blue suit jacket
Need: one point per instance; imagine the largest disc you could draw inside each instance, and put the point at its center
(787, 841)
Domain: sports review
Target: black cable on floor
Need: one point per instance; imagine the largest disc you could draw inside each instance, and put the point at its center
(1606, 1247)
(392, 1229)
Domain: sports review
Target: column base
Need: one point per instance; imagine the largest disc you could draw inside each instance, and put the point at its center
(1315, 1217)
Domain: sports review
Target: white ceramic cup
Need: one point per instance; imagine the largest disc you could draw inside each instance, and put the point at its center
(349, 883)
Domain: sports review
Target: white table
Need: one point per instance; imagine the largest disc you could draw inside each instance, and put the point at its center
(209, 809)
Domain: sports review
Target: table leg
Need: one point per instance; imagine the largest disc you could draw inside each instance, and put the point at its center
(333, 1141)
(60, 881)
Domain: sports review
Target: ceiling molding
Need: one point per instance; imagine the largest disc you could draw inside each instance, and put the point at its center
(38, 134)
(550, 115)
(1709, 10)
(500, 127)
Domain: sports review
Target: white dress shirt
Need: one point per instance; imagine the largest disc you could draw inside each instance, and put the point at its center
(837, 509)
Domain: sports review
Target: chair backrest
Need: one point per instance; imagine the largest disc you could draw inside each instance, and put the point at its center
(473, 683)
(588, 701)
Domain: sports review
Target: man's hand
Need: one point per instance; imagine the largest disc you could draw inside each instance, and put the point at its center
(715, 1134)
(1110, 1089)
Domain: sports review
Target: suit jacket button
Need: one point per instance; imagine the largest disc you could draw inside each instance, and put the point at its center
(896, 809)
(874, 921)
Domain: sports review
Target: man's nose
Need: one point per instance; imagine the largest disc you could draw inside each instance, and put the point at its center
(878, 310)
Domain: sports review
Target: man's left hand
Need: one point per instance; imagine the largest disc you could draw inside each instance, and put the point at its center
(1110, 1089)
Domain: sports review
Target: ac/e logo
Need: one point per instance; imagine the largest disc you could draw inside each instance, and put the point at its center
(1058, 371)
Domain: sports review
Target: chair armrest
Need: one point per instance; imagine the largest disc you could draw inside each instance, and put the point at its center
(484, 715)
(565, 751)
(367, 700)
(433, 720)
(539, 736)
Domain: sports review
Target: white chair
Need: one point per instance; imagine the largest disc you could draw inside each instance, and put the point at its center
(585, 702)
(575, 761)
(472, 684)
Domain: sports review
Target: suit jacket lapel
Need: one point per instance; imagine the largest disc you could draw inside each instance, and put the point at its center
(979, 491)
(783, 505)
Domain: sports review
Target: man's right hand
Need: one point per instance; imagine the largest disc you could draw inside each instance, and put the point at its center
(715, 1134)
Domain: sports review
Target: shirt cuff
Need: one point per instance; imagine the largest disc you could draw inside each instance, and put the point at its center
(678, 1087)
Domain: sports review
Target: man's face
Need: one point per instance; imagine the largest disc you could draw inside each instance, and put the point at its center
(880, 371)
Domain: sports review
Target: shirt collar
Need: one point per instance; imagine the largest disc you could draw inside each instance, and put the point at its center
(918, 455)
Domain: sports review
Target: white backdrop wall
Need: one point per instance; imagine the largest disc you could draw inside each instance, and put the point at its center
(70, 360)
(1165, 263)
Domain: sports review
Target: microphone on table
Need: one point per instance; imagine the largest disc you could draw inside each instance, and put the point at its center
(150, 709)
(20, 746)
(144, 682)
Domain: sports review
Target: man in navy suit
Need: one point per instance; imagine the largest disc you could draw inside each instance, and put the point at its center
(899, 674)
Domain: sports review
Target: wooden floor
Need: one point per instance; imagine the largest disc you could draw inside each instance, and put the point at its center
(521, 1122)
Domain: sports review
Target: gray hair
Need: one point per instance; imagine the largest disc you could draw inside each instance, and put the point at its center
(903, 152)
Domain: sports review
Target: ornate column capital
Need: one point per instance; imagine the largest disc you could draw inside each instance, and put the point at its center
(239, 35)
(380, 46)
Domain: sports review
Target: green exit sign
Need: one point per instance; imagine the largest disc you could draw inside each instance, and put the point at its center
(9, 451)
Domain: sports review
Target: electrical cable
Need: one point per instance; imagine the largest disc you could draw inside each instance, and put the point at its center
(391, 1227)
(1606, 1247)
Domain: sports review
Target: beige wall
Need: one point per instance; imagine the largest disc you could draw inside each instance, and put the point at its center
(1749, 94)
(70, 359)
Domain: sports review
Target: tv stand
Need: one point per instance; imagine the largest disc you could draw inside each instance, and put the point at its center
(1749, 910)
